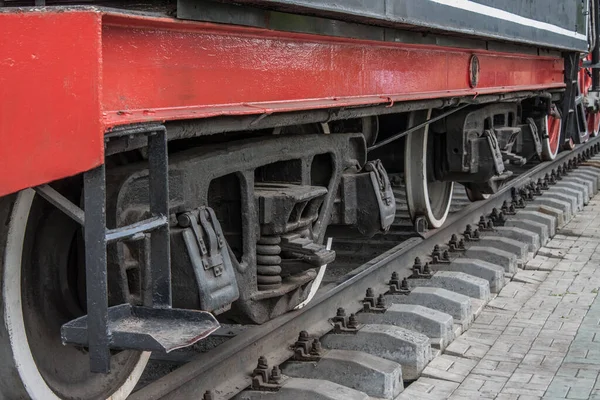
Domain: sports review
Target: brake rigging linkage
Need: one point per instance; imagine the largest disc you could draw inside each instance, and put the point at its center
(416, 127)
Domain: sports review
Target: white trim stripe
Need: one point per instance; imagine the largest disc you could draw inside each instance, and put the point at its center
(477, 8)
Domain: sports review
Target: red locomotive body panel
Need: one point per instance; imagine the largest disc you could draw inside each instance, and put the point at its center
(69, 76)
(50, 85)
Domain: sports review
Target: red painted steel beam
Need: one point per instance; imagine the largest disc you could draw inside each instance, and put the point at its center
(50, 82)
(69, 76)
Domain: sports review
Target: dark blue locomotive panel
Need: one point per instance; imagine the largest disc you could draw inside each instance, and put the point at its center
(558, 24)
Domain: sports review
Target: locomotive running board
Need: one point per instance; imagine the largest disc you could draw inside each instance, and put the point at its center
(146, 328)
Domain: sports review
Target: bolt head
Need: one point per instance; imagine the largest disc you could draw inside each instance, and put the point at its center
(184, 220)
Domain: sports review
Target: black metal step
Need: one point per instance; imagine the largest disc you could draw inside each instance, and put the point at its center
(146, 328)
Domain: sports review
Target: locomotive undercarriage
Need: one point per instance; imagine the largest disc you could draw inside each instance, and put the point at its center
(270, 200)
(266, 200)
(247, 218)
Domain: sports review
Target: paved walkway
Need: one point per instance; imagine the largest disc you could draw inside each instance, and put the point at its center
(540, 338)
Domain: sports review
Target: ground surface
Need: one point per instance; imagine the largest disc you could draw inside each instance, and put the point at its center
(540, 337)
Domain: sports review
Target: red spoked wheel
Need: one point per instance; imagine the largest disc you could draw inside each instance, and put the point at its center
(552, 132)
(592, 116)
(593, 123)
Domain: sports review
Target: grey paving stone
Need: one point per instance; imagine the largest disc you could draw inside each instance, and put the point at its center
(458, 282)
(463, 394)
(428, 389)
(520, 249)
(570, 388)
(540, 229)
(532, 277)
(306, 389)
(532, 239)
(477, 305)
(455, 304)
(364, 372)
(449, 368)
(493, 273)
(408, 348)
(534, 216)
(543, 340)
(506, 260)
(467, 348)
(432, 323)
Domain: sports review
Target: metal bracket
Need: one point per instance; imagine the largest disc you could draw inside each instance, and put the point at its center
(298, 247)
(455, 245)
(307, 350)
(470, 234)
(61, 202)
(372, 304)
(397, 286)
(495, 149)
(265, 380)
(344, 324)
(438, 257)
(384, 193)
(211, 254)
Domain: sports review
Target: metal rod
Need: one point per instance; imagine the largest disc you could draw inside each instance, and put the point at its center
(129, 231)
(568, 106)
(95, 266)
(160, 256)
(596, 50)
(415, 128)
(128, 131)
(61, 202)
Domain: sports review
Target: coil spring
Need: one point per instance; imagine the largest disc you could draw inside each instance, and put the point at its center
(268, 262)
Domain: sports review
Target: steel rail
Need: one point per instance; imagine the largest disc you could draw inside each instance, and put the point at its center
(226, 369)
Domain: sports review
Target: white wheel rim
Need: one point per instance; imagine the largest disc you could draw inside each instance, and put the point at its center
(417, 185)
(13, 318)
(547, 153)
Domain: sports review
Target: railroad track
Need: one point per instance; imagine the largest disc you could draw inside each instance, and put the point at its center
(468, 268)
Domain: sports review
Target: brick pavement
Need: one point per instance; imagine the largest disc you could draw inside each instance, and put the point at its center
(540, 337)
